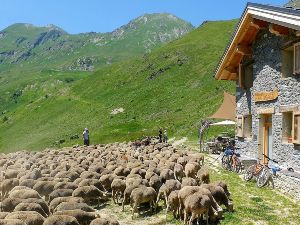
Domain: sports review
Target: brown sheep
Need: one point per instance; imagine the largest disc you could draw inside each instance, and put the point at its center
(106, 181)
(173, 203)
(197, 204)
(61, 220)
(188, 181)
(166, 174)
(142, 195)
(155, 182)
(118, 187)
(9, 204)
(28, 183)
(89, 194)
(191, 169)
(23, 206)
(44, 188)
(65, 185)
(219, 195)
(60, 193)
(84, 218)
(178, 171)
(28, 217)
(223, 185)
(104, 221)
(8, 184)
(71, 206)
(203, 175)
(24, 193)
(55, 202)
(127, 192)
(166, 189)
(11, 222)
(88, 182)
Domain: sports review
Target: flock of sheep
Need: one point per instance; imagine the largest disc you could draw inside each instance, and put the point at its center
(65, 187)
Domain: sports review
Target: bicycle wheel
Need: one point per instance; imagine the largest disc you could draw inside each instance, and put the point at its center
(263, 178)
(249, 173)
(224, 161)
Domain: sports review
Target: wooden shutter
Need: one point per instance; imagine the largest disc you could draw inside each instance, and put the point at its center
(296, 128)
(241, 76)
(240, 126)
(297, 59)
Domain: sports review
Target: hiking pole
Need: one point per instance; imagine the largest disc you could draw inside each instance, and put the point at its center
(215, 160)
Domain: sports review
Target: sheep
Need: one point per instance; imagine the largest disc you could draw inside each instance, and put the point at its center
(24, 193)
(61, 220)
(83, 218)
(28, 217)
(188, 181)
(223, 185)
(127, 192)
(155, 182)
(166, 189)
(9, 204)
(11, 222)
(118, 187)
(71, 206)
(197, 204)
(173, 203)
(28, 183)
(142, 195)
(191, 169)
(88, 182)
(8, 184)
(65, 185)
(106, 181)
(166, 174)
(197, 158)
(90, 175)
(121, 171)
(3, 214)
(178, 171)
(189, 190)
(23, 206)
(44, 188)
(60, 193)
(104, 221)
(55, 202)
(219, 195)
(89, 193)
(203, 175)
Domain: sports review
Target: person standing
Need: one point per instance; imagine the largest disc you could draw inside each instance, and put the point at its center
(86, 137)
(160, 135)
(165, 137)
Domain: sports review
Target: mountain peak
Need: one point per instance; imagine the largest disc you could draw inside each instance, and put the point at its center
(293, 3)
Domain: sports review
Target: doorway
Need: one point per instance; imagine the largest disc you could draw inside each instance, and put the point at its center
(267, 137)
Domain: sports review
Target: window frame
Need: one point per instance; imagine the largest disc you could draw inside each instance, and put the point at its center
(295, 114)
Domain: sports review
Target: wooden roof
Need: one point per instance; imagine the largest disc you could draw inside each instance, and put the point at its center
(255, 17)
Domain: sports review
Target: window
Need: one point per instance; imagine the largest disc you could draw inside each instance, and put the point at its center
(246, 75)
(287, 62)
(297, 58)
(296, 128)
(244, 126)
(287, 127)
(291, 61)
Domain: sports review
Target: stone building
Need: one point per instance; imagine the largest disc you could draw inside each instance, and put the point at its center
(263, 58)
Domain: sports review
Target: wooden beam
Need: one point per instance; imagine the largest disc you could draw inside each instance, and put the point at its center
(259, 24)
(244, 49)
(279, 30)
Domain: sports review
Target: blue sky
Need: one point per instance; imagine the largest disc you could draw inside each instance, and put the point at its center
(76, 16)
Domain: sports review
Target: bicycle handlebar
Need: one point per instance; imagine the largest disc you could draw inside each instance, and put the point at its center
(270, 158)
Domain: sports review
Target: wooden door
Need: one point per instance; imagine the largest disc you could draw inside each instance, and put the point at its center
(268, 138)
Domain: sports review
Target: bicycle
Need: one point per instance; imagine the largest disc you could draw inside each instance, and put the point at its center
(231, 161)
(261, 173)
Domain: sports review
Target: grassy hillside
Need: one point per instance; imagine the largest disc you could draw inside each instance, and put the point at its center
(293, 3)
(172, 87)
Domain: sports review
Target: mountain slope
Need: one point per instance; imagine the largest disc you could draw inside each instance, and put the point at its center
(293, 3)
(52, 48)
(172, 87)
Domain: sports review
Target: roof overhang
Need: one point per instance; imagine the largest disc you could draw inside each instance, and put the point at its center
(255, 17)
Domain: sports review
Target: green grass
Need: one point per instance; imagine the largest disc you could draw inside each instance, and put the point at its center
(172, 87)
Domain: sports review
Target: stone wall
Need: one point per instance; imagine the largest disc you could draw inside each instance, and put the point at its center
(267, 55)
(288, 184)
